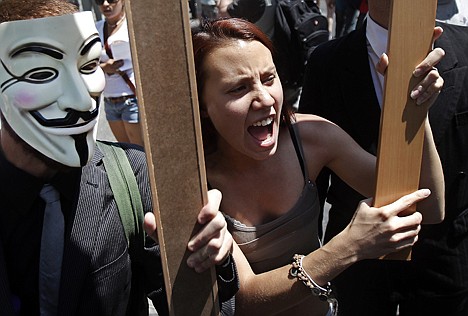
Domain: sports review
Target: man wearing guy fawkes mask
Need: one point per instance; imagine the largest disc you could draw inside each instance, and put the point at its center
(50, 89)
(50, 86)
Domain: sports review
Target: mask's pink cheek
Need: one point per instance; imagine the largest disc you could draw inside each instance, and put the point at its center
(25, 100)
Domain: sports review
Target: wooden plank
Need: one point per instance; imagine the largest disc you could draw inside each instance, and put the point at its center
(165, 75)
(402, 122)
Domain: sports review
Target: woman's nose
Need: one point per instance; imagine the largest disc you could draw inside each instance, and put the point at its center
(263, 98)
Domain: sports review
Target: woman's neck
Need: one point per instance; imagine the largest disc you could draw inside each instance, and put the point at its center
(226, 158)
(115, 22)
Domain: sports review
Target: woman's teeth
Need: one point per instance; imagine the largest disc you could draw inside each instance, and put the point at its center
(264, 122)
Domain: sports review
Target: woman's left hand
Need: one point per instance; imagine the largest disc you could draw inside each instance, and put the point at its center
(112, 66)
(213, 242)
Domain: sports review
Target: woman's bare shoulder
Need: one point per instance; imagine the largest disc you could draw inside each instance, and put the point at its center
(310, 125)
(301, 117)
(321, 135)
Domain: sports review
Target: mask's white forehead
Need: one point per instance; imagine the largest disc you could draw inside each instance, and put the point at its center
(63, 32)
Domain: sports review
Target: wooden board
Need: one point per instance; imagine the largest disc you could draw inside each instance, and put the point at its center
(165, 78)
(402, 122)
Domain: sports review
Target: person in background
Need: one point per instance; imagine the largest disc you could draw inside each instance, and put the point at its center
(346, 14)
(330, 15)
(193, 6)
(260, 12)
(121, 105)
(363, 9)
(88, 5)
(256, 147)
(435, 282)
(70, 255)
(209, 9)
(75, 2)
(453, 12)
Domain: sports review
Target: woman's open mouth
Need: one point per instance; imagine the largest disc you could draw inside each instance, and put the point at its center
(262, 130)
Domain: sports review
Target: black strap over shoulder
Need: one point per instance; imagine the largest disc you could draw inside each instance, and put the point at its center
(294, 132)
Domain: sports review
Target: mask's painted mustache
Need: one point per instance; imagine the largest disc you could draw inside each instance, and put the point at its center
(70, 120)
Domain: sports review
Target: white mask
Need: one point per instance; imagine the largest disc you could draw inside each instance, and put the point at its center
(50, 84)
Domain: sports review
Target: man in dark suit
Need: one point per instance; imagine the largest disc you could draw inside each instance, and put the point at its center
(51, 83)
(342, 86)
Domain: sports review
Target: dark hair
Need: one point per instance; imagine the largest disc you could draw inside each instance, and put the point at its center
(213, 34)
(14, 10)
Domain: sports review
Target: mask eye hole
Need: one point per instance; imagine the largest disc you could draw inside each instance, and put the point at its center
(90, 66)
(41, 75)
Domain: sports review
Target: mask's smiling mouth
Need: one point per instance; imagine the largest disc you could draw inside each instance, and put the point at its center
(262, 130)
(72, 119)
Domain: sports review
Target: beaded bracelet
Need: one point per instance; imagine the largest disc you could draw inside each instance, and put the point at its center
(324, 293)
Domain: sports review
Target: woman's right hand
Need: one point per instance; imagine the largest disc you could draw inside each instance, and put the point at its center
(112, 66)
(377, 231)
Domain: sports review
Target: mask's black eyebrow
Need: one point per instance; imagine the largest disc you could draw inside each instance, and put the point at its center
(88, 43)
(38, 48)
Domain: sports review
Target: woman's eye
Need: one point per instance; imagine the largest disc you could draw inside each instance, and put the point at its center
(270, 79)
(237, 89)
(41, 75)
(90, 66)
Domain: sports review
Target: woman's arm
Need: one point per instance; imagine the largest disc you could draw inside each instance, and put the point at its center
(327, 145)
(357, 168)
(372, 233)
(354, 166)
(432, 177)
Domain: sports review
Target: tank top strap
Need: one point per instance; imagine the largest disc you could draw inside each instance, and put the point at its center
(296, 139)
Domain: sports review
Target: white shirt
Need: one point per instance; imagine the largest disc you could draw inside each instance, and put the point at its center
(115, 85)
(377, 41)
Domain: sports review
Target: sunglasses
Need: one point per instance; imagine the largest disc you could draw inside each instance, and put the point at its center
(101, 2)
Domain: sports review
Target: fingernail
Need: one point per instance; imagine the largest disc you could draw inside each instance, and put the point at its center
(426, 192)
(416, 92)
(417, 72)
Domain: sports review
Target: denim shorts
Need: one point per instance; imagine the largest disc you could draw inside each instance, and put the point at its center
(126, 111)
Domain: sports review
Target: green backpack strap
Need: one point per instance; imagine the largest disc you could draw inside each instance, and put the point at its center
(126, 193)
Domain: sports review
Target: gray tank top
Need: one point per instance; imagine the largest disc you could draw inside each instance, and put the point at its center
(273, 244)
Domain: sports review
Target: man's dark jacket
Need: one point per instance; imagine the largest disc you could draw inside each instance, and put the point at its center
(97, 269)
(338, 86)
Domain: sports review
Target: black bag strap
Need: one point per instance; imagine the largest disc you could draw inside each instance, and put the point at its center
(126, 193)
